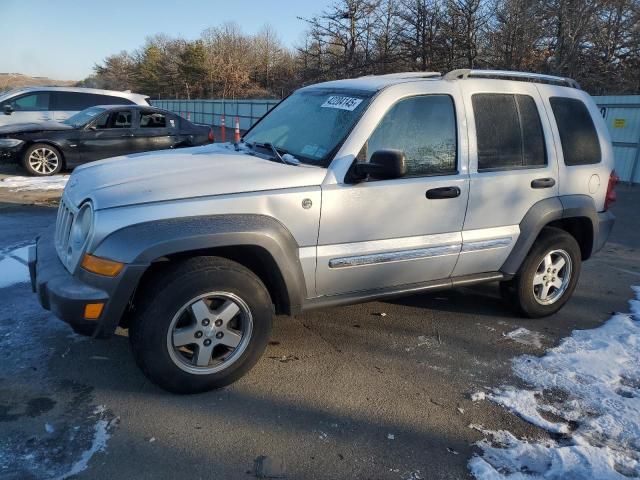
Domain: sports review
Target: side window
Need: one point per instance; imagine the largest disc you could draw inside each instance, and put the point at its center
(118, 119)
(153, 120)
(111, 100)
(578, 136)
(424, 128)
(509, 132)
(70, 101)
(32, 102)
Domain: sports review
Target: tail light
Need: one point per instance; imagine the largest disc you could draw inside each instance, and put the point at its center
(211, 137)
(611, 192)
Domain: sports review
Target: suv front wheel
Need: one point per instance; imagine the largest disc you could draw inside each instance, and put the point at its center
(201, 325)
(547, 277)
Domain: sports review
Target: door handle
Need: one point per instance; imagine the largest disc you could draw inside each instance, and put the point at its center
(543, 183)
(127, 135)
(443, 192)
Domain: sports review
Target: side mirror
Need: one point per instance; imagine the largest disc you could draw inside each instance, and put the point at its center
(8, 109)
(383, 165)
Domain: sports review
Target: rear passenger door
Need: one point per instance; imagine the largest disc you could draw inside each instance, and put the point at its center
(156, 131)
(66, 104)
(512, 166)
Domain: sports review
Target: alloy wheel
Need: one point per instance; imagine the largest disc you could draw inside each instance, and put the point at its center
(552, 277)
(44, 161)
(209, 333)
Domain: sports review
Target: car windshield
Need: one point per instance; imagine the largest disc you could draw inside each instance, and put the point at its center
(85, 116)
(310, 124)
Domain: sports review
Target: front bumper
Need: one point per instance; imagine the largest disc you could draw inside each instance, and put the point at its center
(66, 295)
(10, 155)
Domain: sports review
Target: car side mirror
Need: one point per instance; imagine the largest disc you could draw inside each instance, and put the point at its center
(93, 128)
(383, 165)
(8, 109)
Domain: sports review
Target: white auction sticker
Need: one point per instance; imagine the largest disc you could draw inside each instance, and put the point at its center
(343, 103)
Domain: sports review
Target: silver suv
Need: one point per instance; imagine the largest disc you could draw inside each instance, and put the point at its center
(347, 191)
(45, 104)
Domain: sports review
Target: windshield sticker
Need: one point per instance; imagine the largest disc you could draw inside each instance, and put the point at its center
(342, 103)
(172, 122)
(309, 150)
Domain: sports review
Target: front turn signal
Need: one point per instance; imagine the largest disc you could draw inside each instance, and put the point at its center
(101, 266)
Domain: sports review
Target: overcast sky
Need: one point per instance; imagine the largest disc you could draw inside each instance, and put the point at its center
(63, 39)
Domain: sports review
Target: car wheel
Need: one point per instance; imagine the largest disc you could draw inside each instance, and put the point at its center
(548, 275)
(201, 325)
(42, 159)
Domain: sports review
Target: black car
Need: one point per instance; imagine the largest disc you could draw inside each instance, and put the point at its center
(96, 133)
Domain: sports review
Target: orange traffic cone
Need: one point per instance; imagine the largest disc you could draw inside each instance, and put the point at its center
(223, 134)
(236, 133)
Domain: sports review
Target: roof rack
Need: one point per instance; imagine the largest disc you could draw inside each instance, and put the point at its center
(402, 75)
(507, 75)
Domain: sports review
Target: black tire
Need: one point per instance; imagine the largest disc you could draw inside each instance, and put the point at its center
(54, 161)
(162, 299)
(522, 293)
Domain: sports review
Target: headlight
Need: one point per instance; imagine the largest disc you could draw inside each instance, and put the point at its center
(9, 142)
(81, 227)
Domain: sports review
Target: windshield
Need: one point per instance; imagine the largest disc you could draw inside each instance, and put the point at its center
(310, 124)
(85, 116)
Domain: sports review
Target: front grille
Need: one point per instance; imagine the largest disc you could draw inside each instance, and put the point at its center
(63, 230)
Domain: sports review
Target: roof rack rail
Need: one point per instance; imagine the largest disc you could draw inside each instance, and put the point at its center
(401, 75)
(505, 74)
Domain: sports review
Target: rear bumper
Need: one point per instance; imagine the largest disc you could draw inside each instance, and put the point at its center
(603, 230)
(66, 295)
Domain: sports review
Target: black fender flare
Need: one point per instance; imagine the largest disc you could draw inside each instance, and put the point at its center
(143, 243)
(542, 214)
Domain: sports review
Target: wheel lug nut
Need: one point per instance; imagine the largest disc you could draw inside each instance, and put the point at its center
(207, 342)
(198, 334)
(219, 335)
(218, 323)
(205, 322)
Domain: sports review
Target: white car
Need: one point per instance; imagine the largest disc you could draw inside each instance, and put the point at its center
(43, 104)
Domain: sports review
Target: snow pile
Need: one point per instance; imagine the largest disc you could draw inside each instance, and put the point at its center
(586, 393)
(21, 184)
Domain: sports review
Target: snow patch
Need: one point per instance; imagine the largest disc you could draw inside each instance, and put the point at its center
(21, 184)
(100, 438)
(13, 267)
(525, 337)
(587, 392)
(478, 396)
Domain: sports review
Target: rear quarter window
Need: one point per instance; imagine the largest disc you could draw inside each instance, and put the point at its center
(578, 135)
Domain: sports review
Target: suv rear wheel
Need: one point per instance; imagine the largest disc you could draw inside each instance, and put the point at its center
(547, 277)
(201, 325)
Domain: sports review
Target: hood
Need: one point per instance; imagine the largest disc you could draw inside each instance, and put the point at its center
(33, 127)
(185, 173)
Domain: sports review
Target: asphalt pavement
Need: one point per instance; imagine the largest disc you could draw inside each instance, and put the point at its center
(380, 390)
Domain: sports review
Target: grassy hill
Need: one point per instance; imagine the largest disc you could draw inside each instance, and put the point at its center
(15, 80)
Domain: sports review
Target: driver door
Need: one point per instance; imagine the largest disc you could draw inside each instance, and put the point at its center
(110, 135)
(381, 234)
